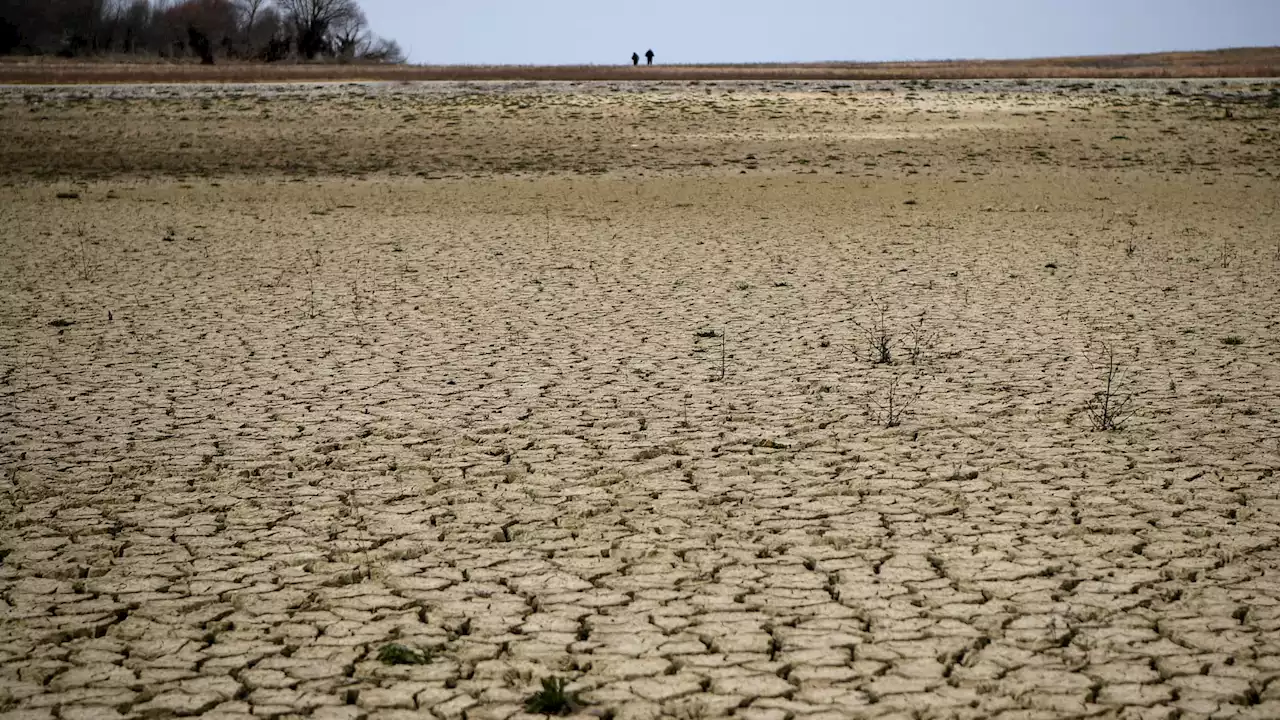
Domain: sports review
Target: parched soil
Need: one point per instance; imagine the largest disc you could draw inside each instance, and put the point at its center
(553, 380)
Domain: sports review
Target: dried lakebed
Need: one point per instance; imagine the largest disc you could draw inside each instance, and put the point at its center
(594, 403)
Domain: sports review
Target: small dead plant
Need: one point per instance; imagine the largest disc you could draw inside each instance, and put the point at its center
(889, 403)
(313, 304)
(1111, 407)
(84, 263)
(357, 301)
(1226, 255)
(718, 375)
(724, 339)
(877, 339)
(879, 342)
(922, 339)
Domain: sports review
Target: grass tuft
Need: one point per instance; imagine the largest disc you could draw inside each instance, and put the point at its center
(552, 699)
(397, 654)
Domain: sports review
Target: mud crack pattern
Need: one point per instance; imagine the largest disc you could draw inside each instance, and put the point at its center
(617, 430)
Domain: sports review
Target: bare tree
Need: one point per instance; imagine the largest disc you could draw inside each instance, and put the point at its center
(348, 35)
(135, 26)
(269, 38)
(268, 29)
(314, 19)
(200, 26)
(82, 24)
(384, 50)
(11, 19)
(38, 26)
(249, 12)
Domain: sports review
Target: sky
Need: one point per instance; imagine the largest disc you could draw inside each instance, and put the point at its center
(559, 32)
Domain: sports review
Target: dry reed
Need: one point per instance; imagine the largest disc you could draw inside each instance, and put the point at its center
(1238, 63)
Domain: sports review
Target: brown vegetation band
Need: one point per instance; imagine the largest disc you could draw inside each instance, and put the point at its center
(1243, 62)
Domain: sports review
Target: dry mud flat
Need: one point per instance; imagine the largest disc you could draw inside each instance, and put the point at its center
(566, 382)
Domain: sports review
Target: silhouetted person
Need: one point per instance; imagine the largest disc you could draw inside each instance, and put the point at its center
(649, 56)
(635, 58)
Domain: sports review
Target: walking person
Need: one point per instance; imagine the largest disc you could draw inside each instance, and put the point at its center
(649, 56)
(635, 59)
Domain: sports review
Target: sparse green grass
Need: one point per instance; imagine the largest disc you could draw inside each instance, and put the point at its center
(397, 654)
(552, 699)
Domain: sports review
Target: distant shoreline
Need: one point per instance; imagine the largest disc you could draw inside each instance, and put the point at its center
(1229, 63)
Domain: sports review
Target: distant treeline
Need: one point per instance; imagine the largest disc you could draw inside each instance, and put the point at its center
(267, 30)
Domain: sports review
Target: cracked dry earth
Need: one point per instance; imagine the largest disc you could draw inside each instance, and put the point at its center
(616, 425)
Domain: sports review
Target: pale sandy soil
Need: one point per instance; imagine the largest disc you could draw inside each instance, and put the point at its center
(357, 365)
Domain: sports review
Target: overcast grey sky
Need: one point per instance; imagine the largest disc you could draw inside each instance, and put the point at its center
(695, 31)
